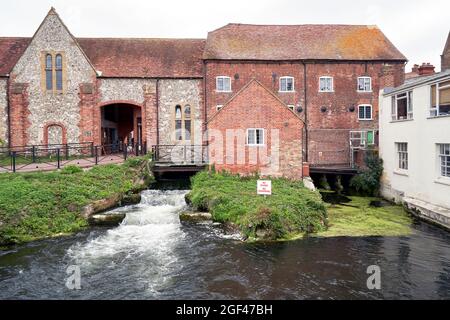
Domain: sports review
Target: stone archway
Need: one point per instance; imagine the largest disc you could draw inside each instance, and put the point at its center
(121, 122)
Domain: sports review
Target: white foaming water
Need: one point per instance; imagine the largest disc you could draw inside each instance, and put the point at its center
(150, 231)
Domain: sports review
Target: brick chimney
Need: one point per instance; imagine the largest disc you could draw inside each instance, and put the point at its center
(424, 69)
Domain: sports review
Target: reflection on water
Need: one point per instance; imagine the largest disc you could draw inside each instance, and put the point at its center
(152, 255)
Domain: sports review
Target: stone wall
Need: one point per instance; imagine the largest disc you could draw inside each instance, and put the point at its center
(3, 113)
(132, 90)
(45, 107)
(179, 92)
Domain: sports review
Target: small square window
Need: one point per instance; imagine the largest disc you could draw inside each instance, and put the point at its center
(219, 106)
(365, 112)
(326, 84)
(365, 84)
(223, 84)
(291, 106)
(444, 159)
(255, 137)
(286, 84)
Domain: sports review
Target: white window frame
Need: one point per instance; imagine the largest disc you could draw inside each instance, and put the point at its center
(291, 106)
(371, 112)
(222, 78)
(402, 156)
(444, 160)
(255, 144)
(409, 105)
(364, 84)
(219, 106)
(331, 89)
(286, 78)
(434, 112)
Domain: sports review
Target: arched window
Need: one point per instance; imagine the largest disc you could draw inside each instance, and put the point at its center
(182, 123)
(49, 72)
(54, 134)
(59, 67)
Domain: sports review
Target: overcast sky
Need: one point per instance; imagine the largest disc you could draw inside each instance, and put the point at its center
(417, 28)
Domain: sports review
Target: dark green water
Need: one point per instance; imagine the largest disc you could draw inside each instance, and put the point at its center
(154, 256)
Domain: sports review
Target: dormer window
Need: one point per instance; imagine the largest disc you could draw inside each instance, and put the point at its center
(223, 84)
(286, 84)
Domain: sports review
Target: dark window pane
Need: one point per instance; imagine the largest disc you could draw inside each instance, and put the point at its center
(49, 79)
(368, 112)
(48, 62)
(187, 129)
(361, 112)
(59, 80)
(178, 130)
(58, 61)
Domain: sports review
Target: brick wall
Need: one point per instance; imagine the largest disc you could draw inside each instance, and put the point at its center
(256, 107)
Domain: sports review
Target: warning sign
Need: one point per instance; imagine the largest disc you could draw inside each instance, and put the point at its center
(264, 187)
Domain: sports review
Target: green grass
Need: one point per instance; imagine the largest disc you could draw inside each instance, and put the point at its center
(357, 219)
(43, 204)
(290, 210)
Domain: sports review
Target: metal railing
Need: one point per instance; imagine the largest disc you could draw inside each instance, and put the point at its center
(56, 156)
(180, 154)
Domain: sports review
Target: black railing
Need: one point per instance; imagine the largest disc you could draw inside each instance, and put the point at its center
(56, 156)
(180, 154)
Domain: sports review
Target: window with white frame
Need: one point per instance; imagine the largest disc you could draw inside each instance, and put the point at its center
(219, 106)
(326, 84)
(286, 84)
(440, 99)
(444, 159)
(402, 106)
(365, 112)
(223, 84)
(402, 155)
(255, 137)
(365, 84)
(291, 106)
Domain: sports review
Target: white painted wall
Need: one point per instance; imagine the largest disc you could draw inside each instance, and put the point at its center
(422, 180)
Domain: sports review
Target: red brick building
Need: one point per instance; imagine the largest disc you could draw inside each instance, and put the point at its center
(273, 96)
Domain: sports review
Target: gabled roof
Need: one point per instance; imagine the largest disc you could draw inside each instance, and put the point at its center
(300, 42)
(246, 87)
(447, 45)
(125, 57)
(11, 49)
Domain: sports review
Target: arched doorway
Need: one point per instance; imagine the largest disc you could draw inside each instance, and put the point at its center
(121, 123)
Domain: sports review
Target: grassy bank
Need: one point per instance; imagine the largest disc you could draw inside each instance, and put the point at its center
(43, 204)
(358, 218)
(290, 210)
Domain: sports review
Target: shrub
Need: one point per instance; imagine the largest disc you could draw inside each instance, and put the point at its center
(291, 209)
(367, 181)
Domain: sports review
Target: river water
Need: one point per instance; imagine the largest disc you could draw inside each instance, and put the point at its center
(151, 255)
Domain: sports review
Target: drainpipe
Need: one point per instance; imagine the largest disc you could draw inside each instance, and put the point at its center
(157, 112)
(306, 110)
(8, 112)
(205, 124)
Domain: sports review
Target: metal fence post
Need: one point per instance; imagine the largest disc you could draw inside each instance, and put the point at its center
(13, 159)
(33, 154)
(67, 151)
(96, 154)
(92, 149)
(58, 157)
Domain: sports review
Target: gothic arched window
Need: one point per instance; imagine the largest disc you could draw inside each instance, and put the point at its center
(49, 72)
(182, 123)
(59, 73)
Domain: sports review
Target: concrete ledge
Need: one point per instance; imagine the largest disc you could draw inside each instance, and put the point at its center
(428, 211)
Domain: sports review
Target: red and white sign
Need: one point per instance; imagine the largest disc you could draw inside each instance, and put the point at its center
(264, 187)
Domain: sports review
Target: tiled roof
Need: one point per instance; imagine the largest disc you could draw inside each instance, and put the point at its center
(295, 42)
(116, 57)
(10, 51)
(414, 82)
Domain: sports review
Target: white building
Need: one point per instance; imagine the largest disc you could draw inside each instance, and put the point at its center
(415, 145)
